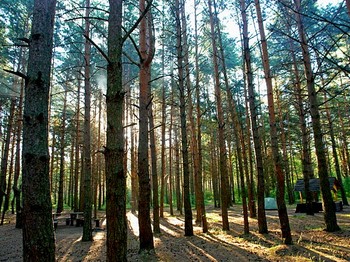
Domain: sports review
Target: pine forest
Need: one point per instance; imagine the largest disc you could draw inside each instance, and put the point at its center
(180, 130)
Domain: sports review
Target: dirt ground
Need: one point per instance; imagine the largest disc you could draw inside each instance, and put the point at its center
(311, 243)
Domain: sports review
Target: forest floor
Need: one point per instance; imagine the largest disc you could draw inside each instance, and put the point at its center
(310, 241)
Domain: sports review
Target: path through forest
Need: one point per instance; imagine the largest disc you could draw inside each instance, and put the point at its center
(311, 243)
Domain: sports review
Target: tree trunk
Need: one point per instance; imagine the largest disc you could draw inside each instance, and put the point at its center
(6, 153)
(238, 136)
(329, 207)
(37, 208)
(277, 158)
(9, 180)
(146, 53)
(177, 172)
(221, 130)
(199, 130)
(62, 154)
(184, 143)
(87, 228)
(16, 189)
(290, 192)
(134, 180)
(77, 151)
(156, 226)
(200, 216)
(248, 156)
(114, 151)
(262, 223)
(335, 154)
(170, 178)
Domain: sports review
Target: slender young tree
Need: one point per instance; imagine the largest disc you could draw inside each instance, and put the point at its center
(152, 138)
(6, 153)
(62, 154)
(38, 235)
(16, 190)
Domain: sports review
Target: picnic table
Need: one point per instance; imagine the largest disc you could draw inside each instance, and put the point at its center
(78, 217)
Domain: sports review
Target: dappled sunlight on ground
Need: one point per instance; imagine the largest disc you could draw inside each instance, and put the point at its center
(311, 242)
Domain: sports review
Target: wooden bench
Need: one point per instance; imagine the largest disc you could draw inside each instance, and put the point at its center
(76, 216)
(317, 207)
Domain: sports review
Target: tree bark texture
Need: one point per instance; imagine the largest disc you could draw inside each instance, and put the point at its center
(38, 235)
(114, 152)
(146, 53)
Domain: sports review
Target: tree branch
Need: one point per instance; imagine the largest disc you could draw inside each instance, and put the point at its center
(17, 73)
(128, 33)
(98, 48)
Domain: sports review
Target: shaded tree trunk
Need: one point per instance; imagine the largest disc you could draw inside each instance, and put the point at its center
(6, 153)
(262, 223)
(156, 226)
(87, 228)
(146, 53)
(329, 207)
(335, 154)
(37, 208)
(77, 153)
(198, 156)
(16, 189)
(277, 158)
(62, 155)
(221, 131)
(184, 143)
(114, 151)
